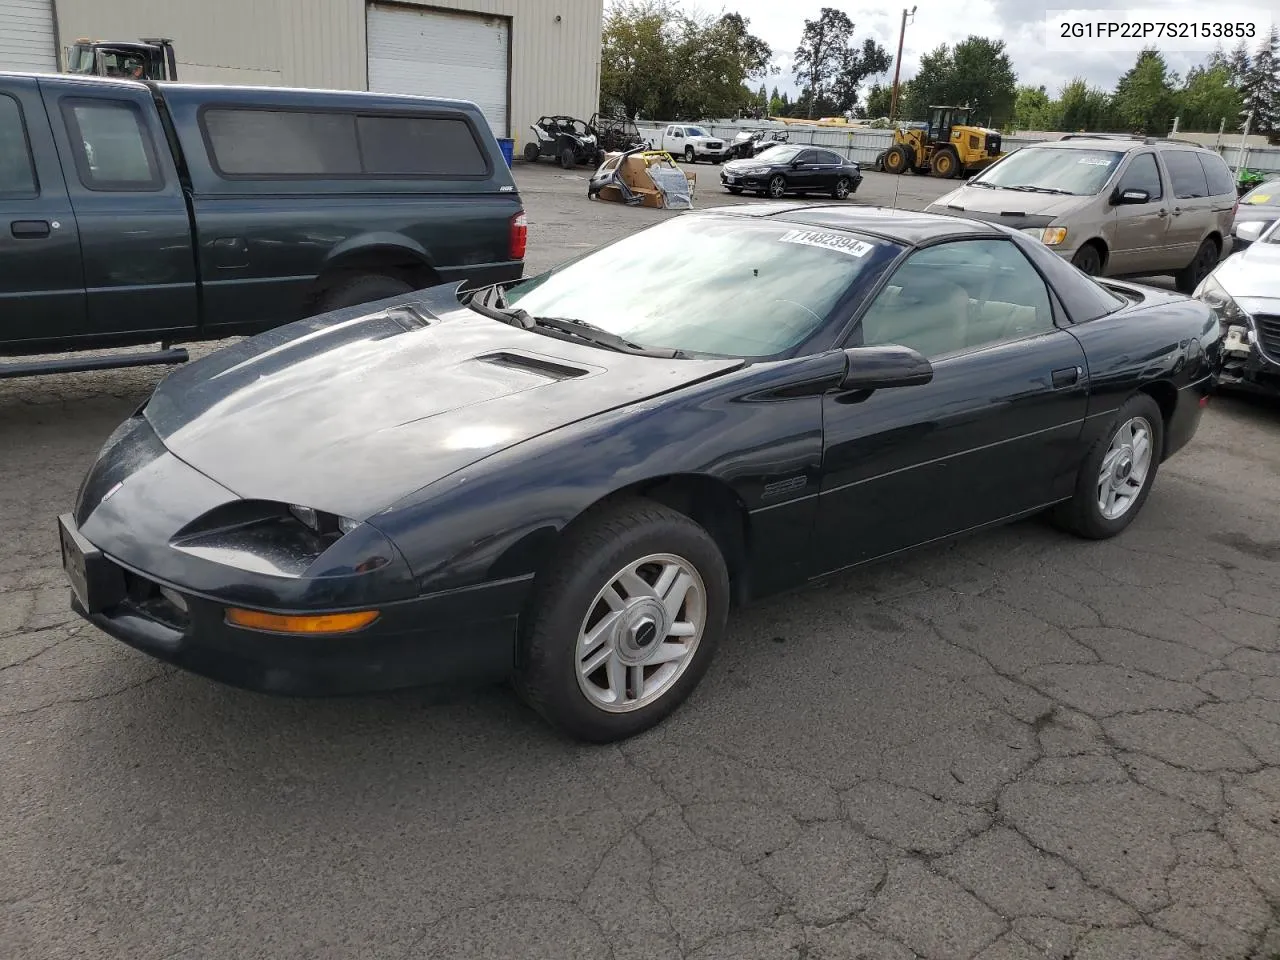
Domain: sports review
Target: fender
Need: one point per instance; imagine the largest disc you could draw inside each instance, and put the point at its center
(379, 241)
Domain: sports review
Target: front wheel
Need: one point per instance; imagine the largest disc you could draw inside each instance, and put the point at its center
(567, 159)
(1087, 260)
(734, 190)
(778, 186)
(531, 151)
(1117, 473)
(688, 154)
(625, 622)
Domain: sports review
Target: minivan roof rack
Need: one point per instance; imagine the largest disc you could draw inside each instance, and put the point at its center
(1131, 136)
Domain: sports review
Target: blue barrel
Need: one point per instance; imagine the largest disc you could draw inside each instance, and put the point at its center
(508, 150)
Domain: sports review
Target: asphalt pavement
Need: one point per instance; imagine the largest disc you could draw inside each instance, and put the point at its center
(1016, 746)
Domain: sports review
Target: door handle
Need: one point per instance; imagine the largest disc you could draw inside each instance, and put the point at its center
(1066, 377)
(1162, 214)
(29, 229)
(1177, 211)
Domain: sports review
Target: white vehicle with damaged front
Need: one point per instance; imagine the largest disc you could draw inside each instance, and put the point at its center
(1244, 291)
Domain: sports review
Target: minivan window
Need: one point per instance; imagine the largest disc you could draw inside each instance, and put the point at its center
(1143, 174)
(1218, 174)
(1186, 173)
(1058, 169)
(17, 173)
(245, 142)
(112, 149)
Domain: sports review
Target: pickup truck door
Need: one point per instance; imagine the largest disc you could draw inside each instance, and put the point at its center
(135, 230)
(41, 283)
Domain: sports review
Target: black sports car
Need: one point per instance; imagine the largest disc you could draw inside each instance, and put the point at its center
(792, 168)
(571, 481)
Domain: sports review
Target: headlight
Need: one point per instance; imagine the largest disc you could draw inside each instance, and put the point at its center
(323, 523)
(1049, 236)
(1220, 302)
(756, 171)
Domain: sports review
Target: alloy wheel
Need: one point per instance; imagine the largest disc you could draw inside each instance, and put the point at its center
(777, 188)
(1125, 468)
(641, 633)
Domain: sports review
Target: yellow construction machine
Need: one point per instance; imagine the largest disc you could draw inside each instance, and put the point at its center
(947, 146)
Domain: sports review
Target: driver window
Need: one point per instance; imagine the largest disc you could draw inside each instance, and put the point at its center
(1143, 175)
(959, 296)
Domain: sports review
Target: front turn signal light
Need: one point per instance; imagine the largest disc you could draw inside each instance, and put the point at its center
(301, 624)
(1052, 236)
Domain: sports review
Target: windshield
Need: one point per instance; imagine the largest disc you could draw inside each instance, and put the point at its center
(695, 132)
(1078, 172)
(1265, 193)
(783, 154)
(710, 284)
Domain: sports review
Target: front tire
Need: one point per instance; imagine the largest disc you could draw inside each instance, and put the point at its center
(688, 154)
(734, 190)
(944, 165)
(625, 621)
(1088, 260)
(1117, 473)
(531, 151)
(778, 186)
(567, 158)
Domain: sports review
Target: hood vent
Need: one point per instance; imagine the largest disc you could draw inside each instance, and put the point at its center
(551, 369)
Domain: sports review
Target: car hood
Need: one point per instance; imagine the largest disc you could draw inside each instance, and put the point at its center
(352, 411)
(1253, 273)
(1006, 206)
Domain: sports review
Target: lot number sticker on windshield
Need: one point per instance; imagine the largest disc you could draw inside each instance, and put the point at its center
(1260, 198)
(1094, 161)
(828, 241)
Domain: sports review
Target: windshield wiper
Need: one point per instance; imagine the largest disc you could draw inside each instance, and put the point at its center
(580, 329)
(1027, 188)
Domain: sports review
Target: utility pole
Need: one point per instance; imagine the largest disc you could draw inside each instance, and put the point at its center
(1243, 153)
(897, 64)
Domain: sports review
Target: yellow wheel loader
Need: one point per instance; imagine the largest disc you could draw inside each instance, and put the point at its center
(947, 146)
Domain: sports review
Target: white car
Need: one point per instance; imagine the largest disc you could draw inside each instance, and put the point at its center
(690, 143)
(1244, 291)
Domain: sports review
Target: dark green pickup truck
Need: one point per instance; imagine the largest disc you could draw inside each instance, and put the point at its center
(135, 213)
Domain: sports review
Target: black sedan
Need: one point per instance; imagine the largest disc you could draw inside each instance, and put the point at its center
(792, 169)
(570, 482)
(1260, 205)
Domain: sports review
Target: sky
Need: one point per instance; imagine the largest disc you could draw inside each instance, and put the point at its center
(1020, 23)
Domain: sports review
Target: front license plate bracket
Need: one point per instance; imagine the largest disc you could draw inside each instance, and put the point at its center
(96, 582)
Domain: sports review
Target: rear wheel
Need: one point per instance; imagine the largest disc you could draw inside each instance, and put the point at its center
(361, 288)
(1088, 260)
(777, 186)
(841, 191)
(1117, 472)
(625, 622)
(945, 163)
(896, 159)
(1189, 277)
(531, 152)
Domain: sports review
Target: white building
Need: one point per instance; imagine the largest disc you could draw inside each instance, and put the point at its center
(517, 59)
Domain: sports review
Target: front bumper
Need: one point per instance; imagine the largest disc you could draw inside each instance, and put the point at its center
(1245, 367)
(455, 636)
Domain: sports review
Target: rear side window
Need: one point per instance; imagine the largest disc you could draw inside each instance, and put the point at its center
(251, 143)
(425, 146)
(825, 156)
(1218, 175)
(17, 172)
(112, 149)
(1187, 174)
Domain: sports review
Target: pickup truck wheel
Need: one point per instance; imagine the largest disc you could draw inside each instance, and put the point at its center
(625, 619)
(688, 154)
(362, 288)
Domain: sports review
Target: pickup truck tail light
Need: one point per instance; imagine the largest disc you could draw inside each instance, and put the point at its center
(519, 235)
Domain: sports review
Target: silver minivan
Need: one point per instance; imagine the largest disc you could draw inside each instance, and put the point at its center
(1112, 205)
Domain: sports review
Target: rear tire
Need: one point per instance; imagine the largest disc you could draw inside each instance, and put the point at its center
(1201, 265)
(361, 288)
(1113, 466)
(841, 191)
(586, 647)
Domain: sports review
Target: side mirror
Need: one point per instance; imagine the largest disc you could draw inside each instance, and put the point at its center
(881, 367)
(1251, 231)
(1132, 196)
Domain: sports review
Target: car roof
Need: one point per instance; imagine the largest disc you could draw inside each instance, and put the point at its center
(1119, 142)
(907, 227)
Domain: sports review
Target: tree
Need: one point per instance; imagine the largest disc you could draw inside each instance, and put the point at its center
(828, 66)
(1145, 100)
(1208, 97)
(638, 37)
(1084, 107)
(929, 87)
(1240, 62)
(1261, 86)
(982, 77)
(775, 103)
(1033, 110)
(878, 99)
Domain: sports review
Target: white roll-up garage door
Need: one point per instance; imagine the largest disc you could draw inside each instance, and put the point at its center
(437, 53)
(26, 36)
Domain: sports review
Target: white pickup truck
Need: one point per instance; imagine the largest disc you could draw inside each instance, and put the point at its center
(690, 143)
